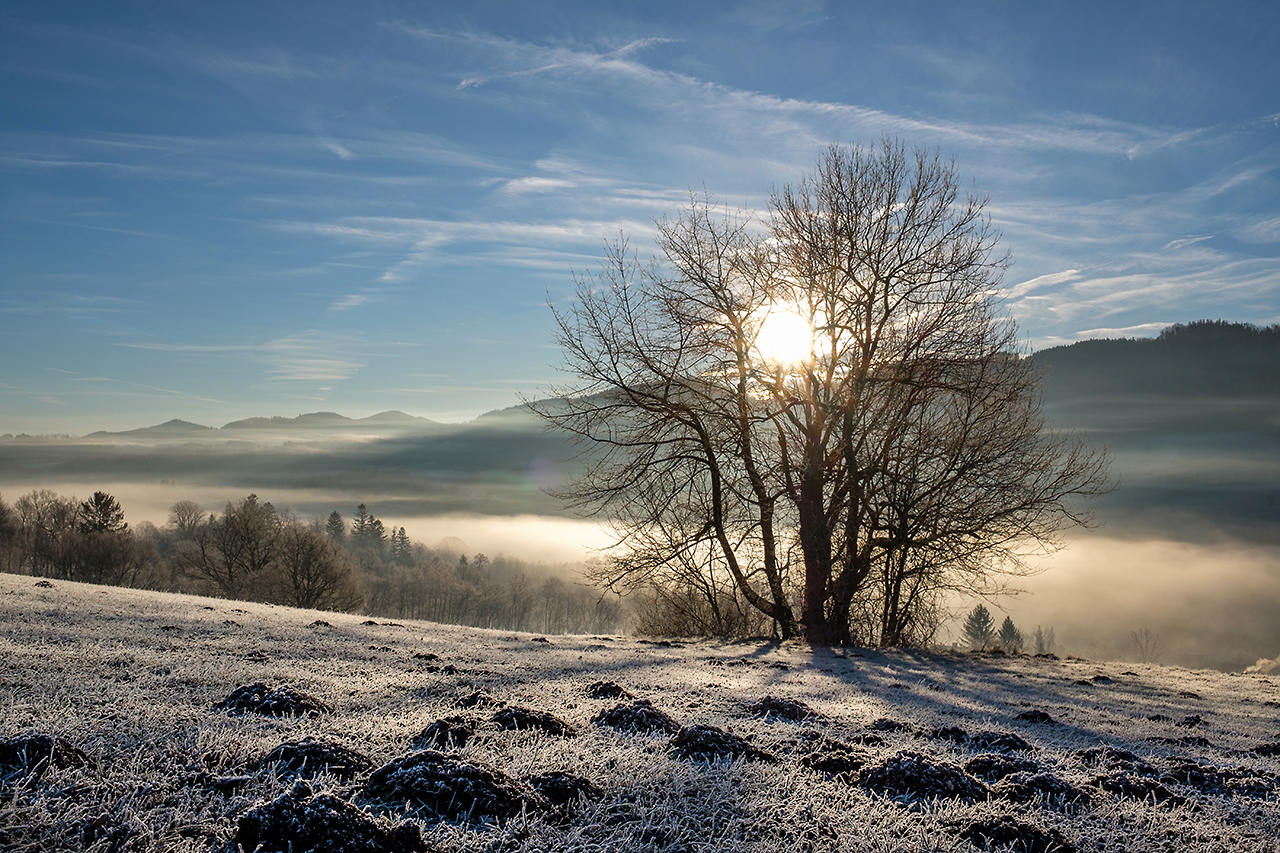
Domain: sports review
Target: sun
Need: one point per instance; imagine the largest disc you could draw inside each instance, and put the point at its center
(785, 338)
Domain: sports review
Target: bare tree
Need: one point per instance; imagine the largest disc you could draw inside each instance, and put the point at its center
(235, 550)
(10, 538)
(46, 528)
(313, 572)
(1146, 645)
(185, 517)
(902, 456)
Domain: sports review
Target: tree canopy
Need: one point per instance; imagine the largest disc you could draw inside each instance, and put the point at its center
(824, 406)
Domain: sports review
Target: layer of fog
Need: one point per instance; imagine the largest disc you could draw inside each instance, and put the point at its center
(1208, 605)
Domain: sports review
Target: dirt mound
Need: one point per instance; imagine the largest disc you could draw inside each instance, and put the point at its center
(302, 822)
(708, 743)
(1219, 781)
(1052, 790)
(639, 716)
(1009, 833)
(911, 776)
(1113, 758)
(773, 707)
(607, 690)
(309, 757)
(258, 698)
(446, 733)
(30, 755)
(994, 766)
(954, 734)
(836, 759)
(515, 717)
(479, 697)
(450, 789)
(1000, 742)
(564, 790)
(1037, 717)
(884, 724)
(1134, 786)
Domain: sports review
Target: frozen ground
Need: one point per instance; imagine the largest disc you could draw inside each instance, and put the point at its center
(843, 750)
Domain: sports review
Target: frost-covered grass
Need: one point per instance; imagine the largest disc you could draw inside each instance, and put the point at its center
(132, 678)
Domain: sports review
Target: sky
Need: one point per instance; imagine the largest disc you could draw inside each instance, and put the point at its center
(212, 211)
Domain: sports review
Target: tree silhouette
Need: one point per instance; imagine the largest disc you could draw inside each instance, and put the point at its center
(101, 514)
(979, 629)
(235, 550)
(903, 458)
(185, 517)
(336, 528)
(1010, 637)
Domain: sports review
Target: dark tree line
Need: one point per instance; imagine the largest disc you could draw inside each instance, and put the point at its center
(252, 551)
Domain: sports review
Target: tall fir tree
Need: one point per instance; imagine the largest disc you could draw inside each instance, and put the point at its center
(336, 528)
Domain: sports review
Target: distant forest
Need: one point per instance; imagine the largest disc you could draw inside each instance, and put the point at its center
(252, 552)
(1205, 358)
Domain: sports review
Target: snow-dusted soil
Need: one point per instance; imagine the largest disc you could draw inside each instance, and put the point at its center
(835, 750)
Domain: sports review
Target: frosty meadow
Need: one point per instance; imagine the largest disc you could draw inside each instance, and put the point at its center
(136, 720)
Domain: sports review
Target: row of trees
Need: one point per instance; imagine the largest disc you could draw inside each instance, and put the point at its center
(890, 454)
(48, 535)
(252, 551)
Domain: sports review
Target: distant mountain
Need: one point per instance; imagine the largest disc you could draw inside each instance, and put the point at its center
(314, 419)
(330, 420)
(173, 428)
(394, 417)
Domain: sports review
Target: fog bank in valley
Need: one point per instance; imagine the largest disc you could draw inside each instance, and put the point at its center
(1209, 605)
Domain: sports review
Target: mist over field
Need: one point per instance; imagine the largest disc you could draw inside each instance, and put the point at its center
(1188, 545)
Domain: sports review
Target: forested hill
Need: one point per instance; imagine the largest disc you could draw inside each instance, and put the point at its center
(1204, 359)
(1192, 418)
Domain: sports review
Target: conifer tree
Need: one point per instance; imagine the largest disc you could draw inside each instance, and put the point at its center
(979, 629)
(336, 528)
(1010, 637)
(401, 548)
(101, 514)
(1044, 641)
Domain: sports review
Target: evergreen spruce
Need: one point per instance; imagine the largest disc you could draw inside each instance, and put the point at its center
(979, 630)
(336, 528)
(1010, 637)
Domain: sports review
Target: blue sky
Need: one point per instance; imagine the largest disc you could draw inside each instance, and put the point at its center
(217, 210)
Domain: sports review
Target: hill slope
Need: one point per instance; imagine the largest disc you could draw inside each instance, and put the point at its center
(903, 751)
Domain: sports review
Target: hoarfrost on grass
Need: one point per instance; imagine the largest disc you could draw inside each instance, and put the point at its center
(1144, 761)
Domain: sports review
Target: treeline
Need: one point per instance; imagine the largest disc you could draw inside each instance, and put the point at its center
(254, 552)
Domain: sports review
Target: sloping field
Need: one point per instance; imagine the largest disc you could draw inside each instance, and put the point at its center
(594, 743)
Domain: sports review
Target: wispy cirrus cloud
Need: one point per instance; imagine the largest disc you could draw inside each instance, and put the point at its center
(310, 356)
(127, 384)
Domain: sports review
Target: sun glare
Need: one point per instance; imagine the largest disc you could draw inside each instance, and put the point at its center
(785, 337)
